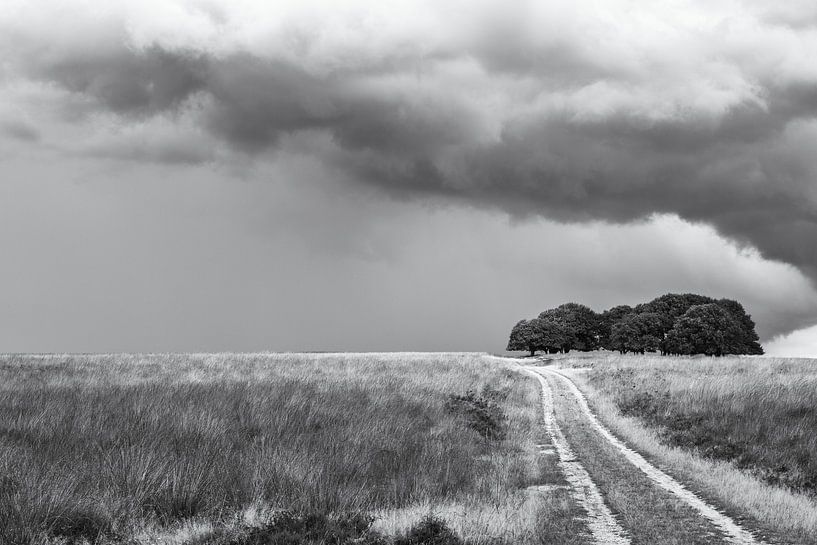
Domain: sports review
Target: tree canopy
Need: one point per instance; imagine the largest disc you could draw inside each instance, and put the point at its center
(672, 306)
(606, 321)
(581, 324)
(706, 329)
(642, 332)
(548, 334)
(523, 337)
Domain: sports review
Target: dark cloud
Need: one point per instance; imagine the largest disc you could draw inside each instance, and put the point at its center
(127, 81)
(257, 101)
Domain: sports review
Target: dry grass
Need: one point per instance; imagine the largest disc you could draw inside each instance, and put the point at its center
(743, 431)
(176, 448)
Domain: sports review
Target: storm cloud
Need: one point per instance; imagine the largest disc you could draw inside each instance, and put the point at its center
(577, 112)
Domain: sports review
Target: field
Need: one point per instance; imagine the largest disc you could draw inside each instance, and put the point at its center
(401, 449)
(251, 449)
(742, 431)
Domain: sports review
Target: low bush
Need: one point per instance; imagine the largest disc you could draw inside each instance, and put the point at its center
(313, 528)
(80, 526)
(481, 412)
(289, 528)
(429, 531)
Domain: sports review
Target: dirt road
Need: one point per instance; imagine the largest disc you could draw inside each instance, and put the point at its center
(626, 498)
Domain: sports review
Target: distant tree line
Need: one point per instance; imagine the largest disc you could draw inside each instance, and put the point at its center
(674, 324)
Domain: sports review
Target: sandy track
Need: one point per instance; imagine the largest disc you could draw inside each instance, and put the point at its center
(604, 528)
(733, 532)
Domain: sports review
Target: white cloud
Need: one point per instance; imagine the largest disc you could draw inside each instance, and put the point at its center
(798, 344)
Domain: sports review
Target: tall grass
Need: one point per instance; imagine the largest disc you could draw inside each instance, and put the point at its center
(760, 414)
(126, 445)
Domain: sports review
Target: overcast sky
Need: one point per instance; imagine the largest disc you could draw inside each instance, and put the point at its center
(253, 175)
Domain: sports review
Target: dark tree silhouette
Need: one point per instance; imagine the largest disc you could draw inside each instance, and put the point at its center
(749, 340)
(555, 335)
(523, 337)
(581, 323)
(672, 306)
(705, 329)
(606, 321)
(545, 334)
(637, 333)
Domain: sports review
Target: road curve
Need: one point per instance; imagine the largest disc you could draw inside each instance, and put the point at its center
(734, 533)
(603, 526)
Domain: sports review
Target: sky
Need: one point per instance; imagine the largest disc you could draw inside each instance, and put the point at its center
(200, 175)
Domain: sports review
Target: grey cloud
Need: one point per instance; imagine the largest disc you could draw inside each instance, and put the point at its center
(20, 130)
(127, 81)
(166, 151)
(255, 102)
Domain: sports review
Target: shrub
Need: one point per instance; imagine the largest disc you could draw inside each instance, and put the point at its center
(495, 394)
(429, 531)
(481, 412)
(290, 528)
(78, 525)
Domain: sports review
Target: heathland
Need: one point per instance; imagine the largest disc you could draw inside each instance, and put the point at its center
(268, 448)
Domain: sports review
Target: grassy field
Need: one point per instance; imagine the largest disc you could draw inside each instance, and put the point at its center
(252, 449)
(740, 430)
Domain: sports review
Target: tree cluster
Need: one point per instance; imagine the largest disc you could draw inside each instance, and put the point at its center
(676, 324)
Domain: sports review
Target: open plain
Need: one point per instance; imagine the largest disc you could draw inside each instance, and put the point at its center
(411, 448)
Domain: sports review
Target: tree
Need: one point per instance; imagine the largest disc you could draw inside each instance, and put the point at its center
(672, 306)
(637, 333)
(705, 329)
(539, 334)
(581, 323)
(606, 321)
(624, 336)
(523, 337)
(749, 340)
(554, 335)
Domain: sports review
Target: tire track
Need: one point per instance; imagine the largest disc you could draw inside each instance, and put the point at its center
(604, 528)
(734, 533)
